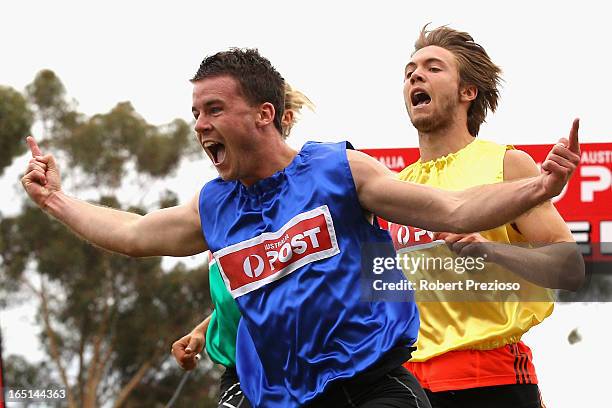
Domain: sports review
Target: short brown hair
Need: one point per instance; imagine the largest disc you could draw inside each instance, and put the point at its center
(259, 81)
(475, 68)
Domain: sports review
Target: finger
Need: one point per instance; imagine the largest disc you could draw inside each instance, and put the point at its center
(47, 159)
(561, 150)
(440, 235)
(178, 348)
(574, 144)
(36, 166)
(36, 175)
(50, 160)
(188, 363)
(194, 345)
(41, 164)
(33, 146)
(552, 167)
(563, 162)
(452, 238)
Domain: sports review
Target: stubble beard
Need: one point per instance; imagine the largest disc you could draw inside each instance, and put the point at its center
(438, 120)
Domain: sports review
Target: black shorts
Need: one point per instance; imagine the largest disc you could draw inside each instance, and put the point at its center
(499, 396)
(231, 395)
(385, 385)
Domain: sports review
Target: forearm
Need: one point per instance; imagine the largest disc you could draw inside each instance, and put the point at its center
(557, 266)
(102, 226)
(488, 206)
(476, 209)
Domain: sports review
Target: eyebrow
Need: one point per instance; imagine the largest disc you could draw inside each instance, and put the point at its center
(427, 62)
(207, 104)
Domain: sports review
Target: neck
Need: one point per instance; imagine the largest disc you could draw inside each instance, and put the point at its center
(269, 158)
(441, 142)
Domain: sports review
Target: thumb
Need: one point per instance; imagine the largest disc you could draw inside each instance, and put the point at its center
(194, 345)
(50, 161)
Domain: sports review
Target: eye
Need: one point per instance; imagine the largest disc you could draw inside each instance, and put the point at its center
(215, 110)
(434, 69)
(408, 74)
(195, 115)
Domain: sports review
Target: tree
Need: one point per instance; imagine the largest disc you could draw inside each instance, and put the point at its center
(15, 122)
(107, 321)
(47, 93)
(24, 375)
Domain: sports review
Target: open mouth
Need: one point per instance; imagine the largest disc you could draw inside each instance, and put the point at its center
(216, 152)
(420, 98)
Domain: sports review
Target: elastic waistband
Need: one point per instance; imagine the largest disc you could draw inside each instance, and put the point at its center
(393, 359)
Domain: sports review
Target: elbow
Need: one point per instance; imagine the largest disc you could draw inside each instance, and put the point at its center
(573, 283)
(134, 251)
(130, 252)
(131, 248)
(576, 276)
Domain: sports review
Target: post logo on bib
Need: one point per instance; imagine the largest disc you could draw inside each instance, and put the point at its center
(251, 264)
(406, 236)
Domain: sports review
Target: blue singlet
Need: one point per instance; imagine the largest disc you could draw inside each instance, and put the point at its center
(289, 251)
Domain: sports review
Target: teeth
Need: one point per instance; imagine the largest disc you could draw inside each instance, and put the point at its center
(209, 144)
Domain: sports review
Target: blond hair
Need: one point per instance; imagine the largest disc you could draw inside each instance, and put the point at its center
(294, 101)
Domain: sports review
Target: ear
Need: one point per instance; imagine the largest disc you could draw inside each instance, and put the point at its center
(468, 93)
(265, 116)
(287, 118)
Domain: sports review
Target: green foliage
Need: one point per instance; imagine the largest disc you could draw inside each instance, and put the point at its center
(108, 315)
(103, 145)
(47, 93)
(20, 374)
(15, 122)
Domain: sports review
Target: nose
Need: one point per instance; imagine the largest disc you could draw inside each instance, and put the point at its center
(202, 124)
(417, 76)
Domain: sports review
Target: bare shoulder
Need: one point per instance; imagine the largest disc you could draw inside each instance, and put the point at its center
(361, 161)
(193, 207)
(518, 164)
(194, 203)
(365, 168)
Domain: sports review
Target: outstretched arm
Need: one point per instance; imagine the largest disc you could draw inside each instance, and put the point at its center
(555, 260)
(171, 231)
(475, 209)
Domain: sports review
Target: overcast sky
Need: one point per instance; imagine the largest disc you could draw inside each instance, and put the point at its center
(348, 57)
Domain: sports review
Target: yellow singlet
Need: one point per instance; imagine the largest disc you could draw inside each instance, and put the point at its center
(447, 326)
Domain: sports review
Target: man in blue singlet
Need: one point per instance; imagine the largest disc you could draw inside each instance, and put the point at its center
(286, 229)
(217, 332)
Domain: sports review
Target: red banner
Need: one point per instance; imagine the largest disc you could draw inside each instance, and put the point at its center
(585, 203)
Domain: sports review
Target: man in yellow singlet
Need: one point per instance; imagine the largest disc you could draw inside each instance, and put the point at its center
(470, 354)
